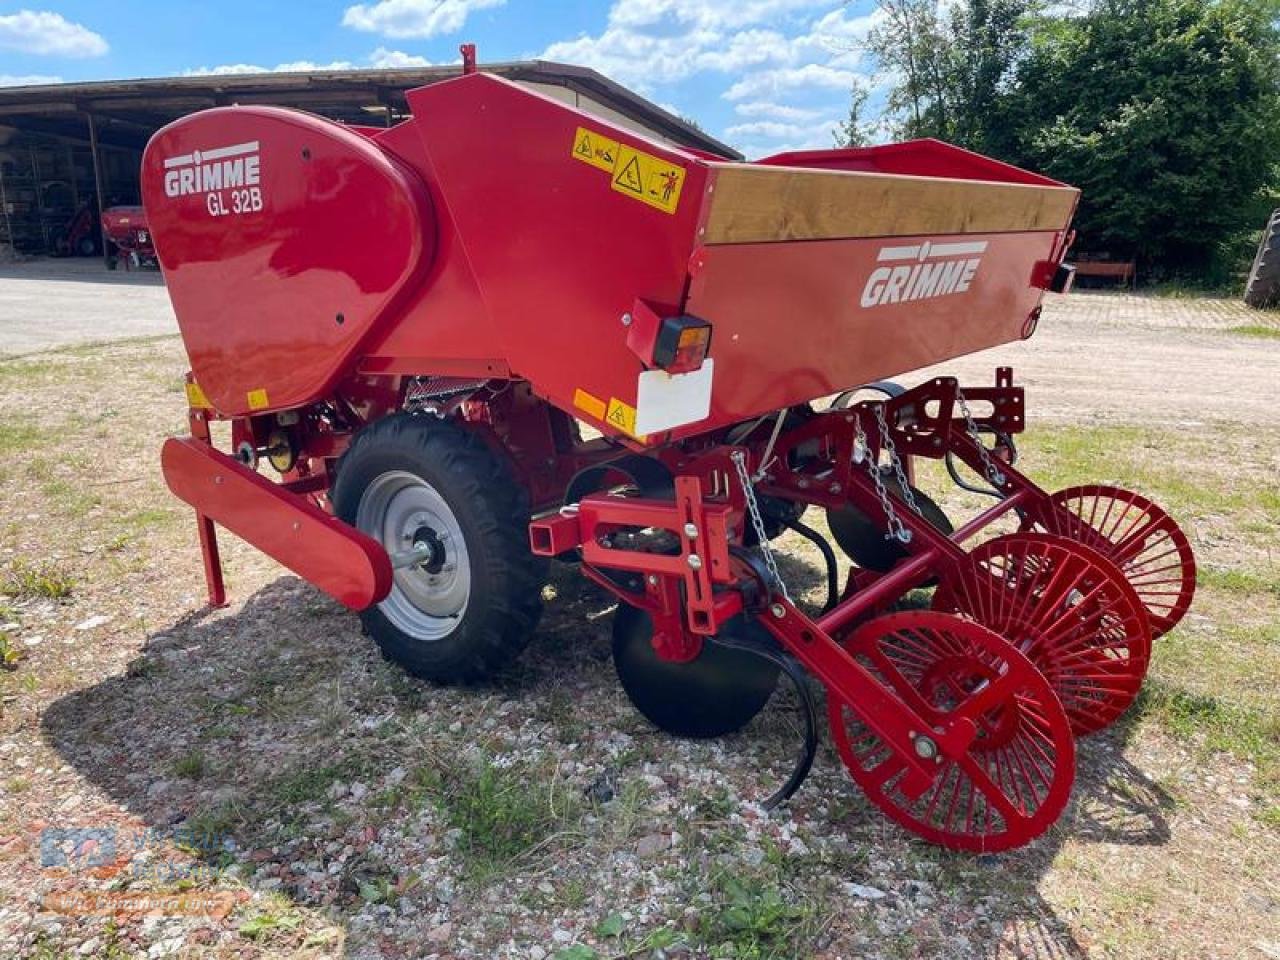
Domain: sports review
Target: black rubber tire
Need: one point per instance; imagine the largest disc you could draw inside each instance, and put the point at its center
(862, 539)
(493, 512)
(1263, 287)
(716, 694)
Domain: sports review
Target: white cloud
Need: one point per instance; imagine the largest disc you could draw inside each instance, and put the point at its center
(26, 80)
(385, 59)
(413, 18)
(49, 34)
(787, 65)
(773, 83)
(380, 59)
(777, 111)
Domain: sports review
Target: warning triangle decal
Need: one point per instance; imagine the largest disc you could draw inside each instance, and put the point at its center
(584, 146)
(629, 177)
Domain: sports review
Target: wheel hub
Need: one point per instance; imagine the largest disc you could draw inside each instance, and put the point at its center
(404, 512)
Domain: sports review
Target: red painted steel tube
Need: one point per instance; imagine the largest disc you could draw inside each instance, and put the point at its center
(892, 719)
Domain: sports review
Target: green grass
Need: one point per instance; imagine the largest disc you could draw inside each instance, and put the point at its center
(25, 580)
(1260, 330)
(274, 917)
(1247, 732)
(1244, 582)
(501, 813)
(10, 652)
(190, 766)
(19, 438)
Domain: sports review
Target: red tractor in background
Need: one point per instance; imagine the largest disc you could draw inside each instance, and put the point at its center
(506, 332)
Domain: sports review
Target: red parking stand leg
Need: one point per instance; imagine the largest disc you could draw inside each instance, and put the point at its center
(212, 561)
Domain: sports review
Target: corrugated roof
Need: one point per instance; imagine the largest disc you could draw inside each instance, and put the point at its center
(129, 110)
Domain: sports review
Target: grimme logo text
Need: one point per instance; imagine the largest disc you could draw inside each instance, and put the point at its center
(229, 177)
(922, 271)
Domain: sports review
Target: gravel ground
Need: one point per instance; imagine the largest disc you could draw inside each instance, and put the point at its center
(265, 756)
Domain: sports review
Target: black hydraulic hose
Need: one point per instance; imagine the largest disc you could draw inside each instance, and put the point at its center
(800, 680)
(829, 555)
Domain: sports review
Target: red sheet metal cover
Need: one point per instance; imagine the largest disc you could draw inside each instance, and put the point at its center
(285, 240)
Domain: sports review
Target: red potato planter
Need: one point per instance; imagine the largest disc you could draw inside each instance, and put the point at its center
(410, 325)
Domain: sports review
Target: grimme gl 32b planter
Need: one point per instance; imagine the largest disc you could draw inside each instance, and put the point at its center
(412, 325)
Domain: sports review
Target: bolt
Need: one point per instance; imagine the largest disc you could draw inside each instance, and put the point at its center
(926, 749)
(691, 531)
(835, 488)
(297, 525)
(626, 319)
(653, 579)
(802, 483)
(695, 562)
(778, 611)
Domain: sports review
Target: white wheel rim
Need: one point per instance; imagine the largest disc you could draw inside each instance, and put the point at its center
(402, 511)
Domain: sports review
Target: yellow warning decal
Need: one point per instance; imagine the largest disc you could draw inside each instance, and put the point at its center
(623, 416)
(595, 148)
(196, 397)
(644, 177)
(257, 399)
(589, 403)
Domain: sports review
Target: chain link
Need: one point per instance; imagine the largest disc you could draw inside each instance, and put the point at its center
(757, 521)
(993, 473)
(886, 440)
(862, 455)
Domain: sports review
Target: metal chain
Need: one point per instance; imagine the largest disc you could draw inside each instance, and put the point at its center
(862, 455)
(886, 441)
(757, 521)
(989, 468)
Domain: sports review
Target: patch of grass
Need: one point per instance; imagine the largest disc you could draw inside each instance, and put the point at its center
(752, 918)
(273, 917)
(1260, 330)
(1238, 581)
(1245, 732)
(190, 766)
(498, 814)
(71, 499)
(26, 580)
(18, 438)
(10, 653)
(302, 786)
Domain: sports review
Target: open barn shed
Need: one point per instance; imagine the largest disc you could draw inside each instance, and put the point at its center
(69, 150)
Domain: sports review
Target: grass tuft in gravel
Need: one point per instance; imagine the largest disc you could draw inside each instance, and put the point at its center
(47, 579)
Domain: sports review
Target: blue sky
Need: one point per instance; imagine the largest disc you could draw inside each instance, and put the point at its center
(763, 75)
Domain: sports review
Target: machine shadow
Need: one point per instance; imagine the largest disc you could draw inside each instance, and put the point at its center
(274, 690)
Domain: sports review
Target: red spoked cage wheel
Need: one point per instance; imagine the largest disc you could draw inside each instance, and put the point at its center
(1069, 609)
(1137, 536)
(1011, 782)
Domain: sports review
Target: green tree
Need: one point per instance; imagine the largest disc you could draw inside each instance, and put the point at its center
(949, 66)
(1166, 113)
(854, 131)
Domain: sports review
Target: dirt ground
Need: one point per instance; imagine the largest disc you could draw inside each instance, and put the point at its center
(264, 761)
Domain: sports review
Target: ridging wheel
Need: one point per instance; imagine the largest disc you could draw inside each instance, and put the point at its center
(717, 693)
(1069, 609)
(1139, 537)
(1013, 780)
(470, 605)
(862, 538)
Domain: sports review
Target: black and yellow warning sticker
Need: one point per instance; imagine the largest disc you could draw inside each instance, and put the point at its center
(632, 172)
(623, 416)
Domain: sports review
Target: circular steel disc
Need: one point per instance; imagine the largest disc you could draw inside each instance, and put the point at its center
(1069, 609)
(1011, 783)
(716, 693)
(1137, 536)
